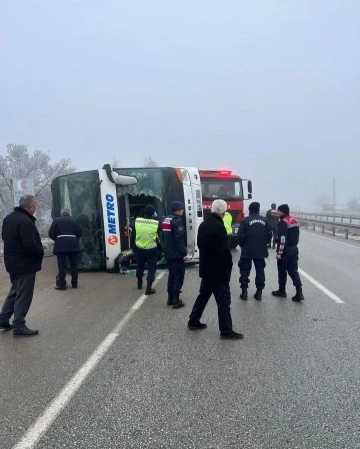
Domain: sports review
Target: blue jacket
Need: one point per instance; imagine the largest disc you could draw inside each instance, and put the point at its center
(65, 232)
(173, 232)
(254, 235)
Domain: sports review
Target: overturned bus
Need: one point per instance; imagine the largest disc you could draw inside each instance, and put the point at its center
(105, 201)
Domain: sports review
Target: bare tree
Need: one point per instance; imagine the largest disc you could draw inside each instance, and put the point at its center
(149, 162)
(323, 201)
(18, 162)
(115, 163)
(354, 205)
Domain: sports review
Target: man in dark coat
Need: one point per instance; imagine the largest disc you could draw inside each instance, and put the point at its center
(254, 235)
(215, 272)
(173, 233)
(287, 253)
(272, 216)
(66, 234)
(23, 255)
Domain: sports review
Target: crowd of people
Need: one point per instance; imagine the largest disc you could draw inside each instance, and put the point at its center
(23, 255)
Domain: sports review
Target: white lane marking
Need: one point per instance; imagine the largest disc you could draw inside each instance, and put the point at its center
(142, 298)
(37, 430)
(331, 240)
(321, 287)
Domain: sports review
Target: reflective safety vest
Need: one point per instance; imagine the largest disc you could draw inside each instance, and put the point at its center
(146, 231)
(228, 223)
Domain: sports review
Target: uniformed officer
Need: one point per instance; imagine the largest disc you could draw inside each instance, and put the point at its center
(228, 225)
(254, 235)
(287, 253)
(146, 235)
(272, 216)
(175, 253)
(66, 232)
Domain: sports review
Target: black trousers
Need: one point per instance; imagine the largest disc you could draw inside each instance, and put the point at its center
(288, 264)
(62, 261)
(274, 236)
(223, 300)
(19, 299)
(176, 276)
(149, 257)
(245, 269)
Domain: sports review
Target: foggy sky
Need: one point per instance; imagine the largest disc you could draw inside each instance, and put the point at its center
(270, 89)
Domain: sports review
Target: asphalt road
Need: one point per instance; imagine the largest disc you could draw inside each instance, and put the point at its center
(293, 382)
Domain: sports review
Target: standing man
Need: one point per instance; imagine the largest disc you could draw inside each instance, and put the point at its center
(254, 235)
(272, 216)
(215, 272)
(287, 253)
(146, 235)
(23, 255)
(66, 234)
(175, 253)
(228, 225)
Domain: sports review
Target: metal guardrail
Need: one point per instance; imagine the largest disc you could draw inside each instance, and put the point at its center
(307, 219)
(340, 218)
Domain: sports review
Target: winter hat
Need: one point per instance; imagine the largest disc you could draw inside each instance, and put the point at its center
(149, 210)
(284, 208)
(273, 206)
(177, 205)
(254, 207)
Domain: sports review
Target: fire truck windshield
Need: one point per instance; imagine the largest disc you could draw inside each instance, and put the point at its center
(217, 188)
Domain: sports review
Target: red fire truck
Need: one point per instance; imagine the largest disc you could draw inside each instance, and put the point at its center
(225, 185)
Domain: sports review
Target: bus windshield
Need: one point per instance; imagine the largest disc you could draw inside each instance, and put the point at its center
(215, 188)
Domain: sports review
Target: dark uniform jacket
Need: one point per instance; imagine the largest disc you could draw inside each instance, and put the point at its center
(254, 235)
(273, 218)
(23, 250)
(215, 255)
(173, 235)
(66, 233)
(288, 234)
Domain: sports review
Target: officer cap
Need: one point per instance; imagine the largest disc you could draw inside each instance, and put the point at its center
(177, 205)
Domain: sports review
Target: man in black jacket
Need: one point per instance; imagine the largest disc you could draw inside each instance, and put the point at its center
(66, 234)
(254, 235)
(287, 253)
(272, 216)
(23, 255)
(215, 272)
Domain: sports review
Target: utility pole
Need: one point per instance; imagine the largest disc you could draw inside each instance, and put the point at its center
(334, 195)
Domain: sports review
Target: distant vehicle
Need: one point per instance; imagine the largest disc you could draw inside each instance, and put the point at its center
(225, 185)
(107, 200)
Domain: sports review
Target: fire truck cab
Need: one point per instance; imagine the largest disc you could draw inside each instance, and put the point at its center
(225, 185)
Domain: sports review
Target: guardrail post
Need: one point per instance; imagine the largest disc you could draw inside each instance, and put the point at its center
(350, 220)
(306, 225)
(347, 234)
(342, 219)
(333, 229)
(314, 227)
(323, 229)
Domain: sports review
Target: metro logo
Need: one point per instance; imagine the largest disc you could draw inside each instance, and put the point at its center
(113, 240)
(110, 212)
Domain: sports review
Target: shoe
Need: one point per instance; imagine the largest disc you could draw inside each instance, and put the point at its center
(177, 302)
(231, 336)
(61, 287)
(74, 285)
(24, 332)
(5, 325)
(149, 290)
(170, 300)
(258, 294)
(57, 281)
(280, 293)
(244, 293)
(195, 326)
(139, 284)
(299, 295)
